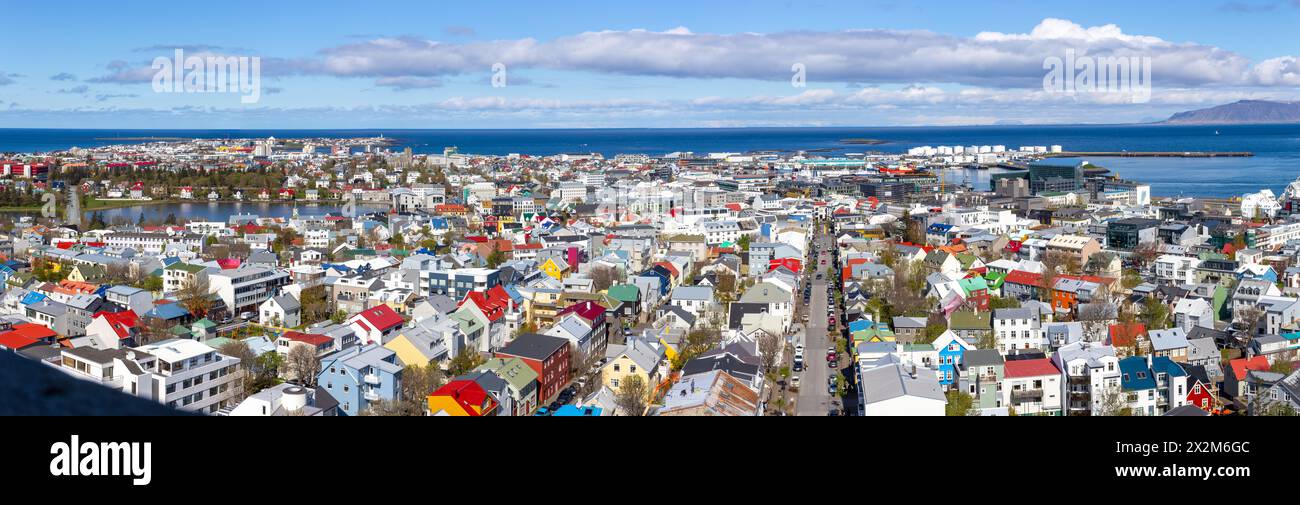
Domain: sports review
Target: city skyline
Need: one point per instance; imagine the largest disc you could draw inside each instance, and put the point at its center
(419, 65)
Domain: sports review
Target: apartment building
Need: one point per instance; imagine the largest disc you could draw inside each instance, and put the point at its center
(154, 243)
(181, 373)
(244, 289)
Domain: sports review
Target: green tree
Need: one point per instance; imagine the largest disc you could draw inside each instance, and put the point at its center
(464, 362)
(959, 404)
(496, 258)
(1155, 313)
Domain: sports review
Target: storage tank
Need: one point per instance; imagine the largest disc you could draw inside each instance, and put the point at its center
(295, 398)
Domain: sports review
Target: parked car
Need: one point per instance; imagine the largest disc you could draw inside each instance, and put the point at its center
(794, 381)
(830, 386)
(798, 365)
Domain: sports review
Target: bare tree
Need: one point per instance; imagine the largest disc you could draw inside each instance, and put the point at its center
(303, 364)
(633, 395)
(602, 278)
(768, 345)
(1113, 401)
(1096, 319)
(154, 330)
(582, 367)
(247, 363)
(1146, 253)
(1249, 318)
(118, 273)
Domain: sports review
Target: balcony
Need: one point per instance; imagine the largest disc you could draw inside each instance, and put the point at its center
(1027, 396)
(371, 379)
(371, 395)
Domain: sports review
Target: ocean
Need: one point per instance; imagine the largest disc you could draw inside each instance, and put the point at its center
(1276, 147)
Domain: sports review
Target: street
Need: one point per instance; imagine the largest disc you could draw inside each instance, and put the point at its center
(813, 398)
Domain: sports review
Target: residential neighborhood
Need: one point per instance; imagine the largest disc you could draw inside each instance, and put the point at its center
(681, 285)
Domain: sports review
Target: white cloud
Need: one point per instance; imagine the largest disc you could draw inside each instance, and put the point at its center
(859, 56)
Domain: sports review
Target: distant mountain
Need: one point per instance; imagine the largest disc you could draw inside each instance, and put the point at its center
(1245, 111)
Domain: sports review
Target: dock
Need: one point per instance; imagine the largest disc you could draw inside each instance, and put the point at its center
(1153, 154)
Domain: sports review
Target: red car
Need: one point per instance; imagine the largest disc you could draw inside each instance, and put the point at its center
(831, 357)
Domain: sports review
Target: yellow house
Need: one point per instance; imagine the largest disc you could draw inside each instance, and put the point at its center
(85, 273)
(542, 307)
(636, 358)
(556, 268)
(412, 350)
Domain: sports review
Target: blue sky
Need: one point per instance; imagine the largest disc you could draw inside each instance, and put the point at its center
(635, 64)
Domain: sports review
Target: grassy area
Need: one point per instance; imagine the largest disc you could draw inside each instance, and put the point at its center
(97, 204)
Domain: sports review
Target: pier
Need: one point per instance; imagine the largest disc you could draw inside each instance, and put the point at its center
(1153, 154)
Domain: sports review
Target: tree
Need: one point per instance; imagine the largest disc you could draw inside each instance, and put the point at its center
(339, 316)
(1113, 402)
(151, 283)
(247, 367)
(496, 258)
(315, 307)
(726, 283)
(1096, 319)
(1146, 253)
(194, 295)
(1248, 319)
(463, 363)
(154, 330)
(959, 404)
(1281, 365)
(418, 382)
(1155, 313)
(698, 341)
(632, 396)
(744, 242)
(582, 366)
(601, 277)
(889, 256)
(987, 340)
(303, 365)
(768, 345)
(935, 325)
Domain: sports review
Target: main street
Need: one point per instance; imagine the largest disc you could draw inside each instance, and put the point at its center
(814, 400)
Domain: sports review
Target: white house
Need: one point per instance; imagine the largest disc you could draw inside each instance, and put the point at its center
(1091, 371)
(1032, 387)
(1017, 329)
(1192, 312)
(888, 387)
(283, 310)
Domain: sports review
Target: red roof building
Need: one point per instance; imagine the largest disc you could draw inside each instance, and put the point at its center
(494, 303)
(311, 339)
(467, 397)
(382, 318)
(122, 323)
(1030, 368)
(16, 342)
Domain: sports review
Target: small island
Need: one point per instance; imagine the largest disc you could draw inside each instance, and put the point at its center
(864, 142)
